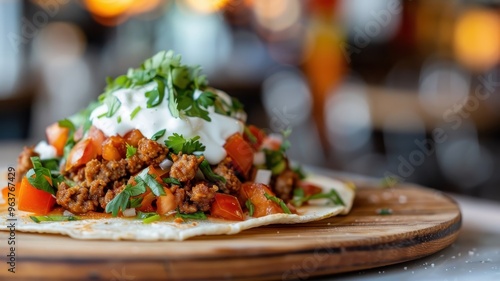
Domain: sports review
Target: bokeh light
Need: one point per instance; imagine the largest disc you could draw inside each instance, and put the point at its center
(477, 39)
(205, 6)
(114, 12)
(277, 15)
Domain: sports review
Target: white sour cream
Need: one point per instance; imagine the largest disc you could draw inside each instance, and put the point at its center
(212, 134)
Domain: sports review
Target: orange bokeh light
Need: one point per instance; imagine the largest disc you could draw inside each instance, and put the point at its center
(477, 39)
(113, 12)
(205, 6)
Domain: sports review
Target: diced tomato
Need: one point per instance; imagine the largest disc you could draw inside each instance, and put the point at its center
(271, 143)
(133, 137)
(114, 148)
(240, 152)
(309, 188)
(97, 137)
(227, 207)
(157, 173)
(34, 200)
(80, 154)
(57, 137)
(165, 203)
(258, 134)
(147, 202)
(255, 193)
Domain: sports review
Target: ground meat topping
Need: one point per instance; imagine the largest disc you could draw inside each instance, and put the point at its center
(202, 195)
(100, 180)
(284, 184)
(185, 167)
(192, 199)
(24, 162)
(75, 199)
(233, 184)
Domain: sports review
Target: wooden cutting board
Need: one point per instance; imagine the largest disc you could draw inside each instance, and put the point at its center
(422, 222)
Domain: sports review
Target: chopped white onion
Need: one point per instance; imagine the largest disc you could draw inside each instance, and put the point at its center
(67, 213)
(259, 158)
(130, 212)
(166, 164)
(45, 150)
(263, 176)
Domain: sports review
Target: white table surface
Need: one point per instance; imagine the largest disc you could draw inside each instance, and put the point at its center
(474, 256)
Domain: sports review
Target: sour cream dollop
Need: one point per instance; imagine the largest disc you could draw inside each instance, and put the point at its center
(212, 134)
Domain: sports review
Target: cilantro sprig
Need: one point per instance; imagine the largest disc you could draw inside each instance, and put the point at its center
(177, 143)
(131, 151)
(44, 177)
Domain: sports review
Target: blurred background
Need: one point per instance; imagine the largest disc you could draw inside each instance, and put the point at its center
(406, 90)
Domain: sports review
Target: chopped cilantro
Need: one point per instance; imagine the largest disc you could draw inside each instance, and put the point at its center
(148, 217)
(196, 216)
(177, 143)
(131, 150)
(41, 177)
(66, 123)
(122, 199)
(171, 181)
(151, 182)
(209, 174)
(158, 135)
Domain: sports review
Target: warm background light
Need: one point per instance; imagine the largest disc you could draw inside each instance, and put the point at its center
(276, 15)
(114, 12)
(477, 39)
(205, 6)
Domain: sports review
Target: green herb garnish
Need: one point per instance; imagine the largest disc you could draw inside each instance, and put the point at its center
(151, 182)
(135, 111)
(209, 174)
(171, 181)
(39, 219)
(278, 201)
(42, 175)
(195, 216)
(158, 135)
(122, 199)
(250, 207)
(174, 81)
(131, 151)
(299, 197)
(151, 219)
(177, 143)
(384, 211)
(300, 172)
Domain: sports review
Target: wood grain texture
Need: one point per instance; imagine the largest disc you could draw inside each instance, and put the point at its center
(422, 222)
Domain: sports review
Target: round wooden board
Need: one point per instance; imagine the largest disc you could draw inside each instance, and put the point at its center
(422, 222)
